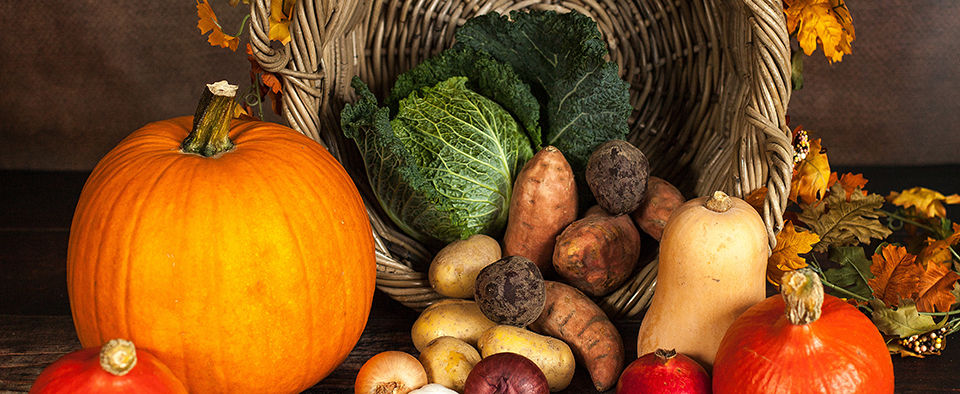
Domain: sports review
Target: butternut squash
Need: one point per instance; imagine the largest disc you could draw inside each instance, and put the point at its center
(713, 258)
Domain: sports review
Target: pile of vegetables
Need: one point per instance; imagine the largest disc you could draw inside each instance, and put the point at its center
(489, 152)
(443, 153)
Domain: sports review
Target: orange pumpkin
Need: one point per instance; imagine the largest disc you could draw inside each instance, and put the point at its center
(245, 266)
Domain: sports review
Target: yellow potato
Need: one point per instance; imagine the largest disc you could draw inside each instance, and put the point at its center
(460, 319)
(552, 355)
(454, 269)
(448, 361)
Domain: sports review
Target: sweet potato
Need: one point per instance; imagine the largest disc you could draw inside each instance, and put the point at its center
(573, 317)
(544, 201)
(659, 202)
(597, 253)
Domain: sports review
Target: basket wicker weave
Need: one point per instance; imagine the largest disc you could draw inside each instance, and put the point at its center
(709, 84)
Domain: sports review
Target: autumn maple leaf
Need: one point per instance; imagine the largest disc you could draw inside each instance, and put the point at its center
(896, 275)
(811, 175)
(756, 198)
(208, 23)
(934, 290)
(825, 21)
(938, 279)
(923, 201)
(850, 182)
(280, 13)
(786, 255)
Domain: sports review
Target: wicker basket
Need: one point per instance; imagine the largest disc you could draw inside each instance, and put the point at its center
(710, 83)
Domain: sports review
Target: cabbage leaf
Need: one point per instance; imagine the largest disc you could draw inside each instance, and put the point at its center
(493, 79)
(443, 167)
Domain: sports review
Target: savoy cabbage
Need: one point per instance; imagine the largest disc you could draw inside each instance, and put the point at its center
(443, 167)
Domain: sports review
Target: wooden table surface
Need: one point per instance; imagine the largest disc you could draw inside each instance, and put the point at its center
(36, 327)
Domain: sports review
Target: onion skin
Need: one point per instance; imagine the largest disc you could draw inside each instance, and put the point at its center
(506, 373)
(390, 372)
(666, 372)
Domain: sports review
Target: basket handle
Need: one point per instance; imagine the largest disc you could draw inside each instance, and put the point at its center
(760, 54)
(309, 63)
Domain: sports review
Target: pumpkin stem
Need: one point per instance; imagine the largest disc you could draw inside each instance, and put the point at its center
(803, 294)
(118, 357)
(211, 124)
(719, 202)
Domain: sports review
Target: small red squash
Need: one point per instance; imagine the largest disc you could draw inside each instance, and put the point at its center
(117, 367)
(820, 345)
(239, 252)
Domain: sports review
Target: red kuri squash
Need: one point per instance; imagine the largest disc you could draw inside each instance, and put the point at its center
(242, 256)
(117, 367)
(820, 345)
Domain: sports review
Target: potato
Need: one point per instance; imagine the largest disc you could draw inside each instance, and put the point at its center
(544, 201)
(552, 355)
(597, 253)
(617, 176)
(448, 361)
(460, 319)
(454, 269)
(510, 291)
(659, 202)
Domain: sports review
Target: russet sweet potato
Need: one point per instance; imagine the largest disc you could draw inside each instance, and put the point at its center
(597, 253)
(573, 317)
(543, 203)
(659, 202)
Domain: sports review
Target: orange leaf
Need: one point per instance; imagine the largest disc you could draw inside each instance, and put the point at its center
(786, 255)
(936, 283)
(811, 175)
(756, 198)
(938, 278)
(208, 23)
(850, 182)
(923, 201)
(271, 80)
(827, 22)
(896, 275)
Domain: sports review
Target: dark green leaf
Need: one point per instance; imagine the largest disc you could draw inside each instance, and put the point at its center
(562, 57)
(853, 273)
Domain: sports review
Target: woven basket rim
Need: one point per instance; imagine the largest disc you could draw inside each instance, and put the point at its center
(329, 37)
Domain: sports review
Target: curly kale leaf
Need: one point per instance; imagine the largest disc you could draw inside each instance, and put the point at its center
(562, 57)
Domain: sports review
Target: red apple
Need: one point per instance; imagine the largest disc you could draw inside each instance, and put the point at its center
(664, 371)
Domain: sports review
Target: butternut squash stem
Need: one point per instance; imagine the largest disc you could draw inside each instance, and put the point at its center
(803, 294)
(719, 202)
(118, 357)
(211, 124)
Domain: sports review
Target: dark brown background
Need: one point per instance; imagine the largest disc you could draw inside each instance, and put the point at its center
(77, 76)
